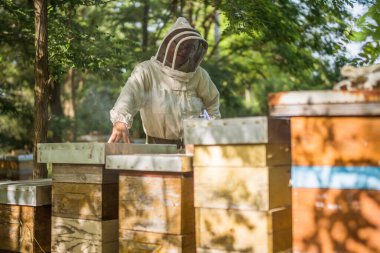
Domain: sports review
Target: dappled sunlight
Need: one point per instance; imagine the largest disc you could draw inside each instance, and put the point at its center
(321, 140)
(332, 220)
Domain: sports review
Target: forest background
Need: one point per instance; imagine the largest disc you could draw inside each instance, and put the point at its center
(255, 47)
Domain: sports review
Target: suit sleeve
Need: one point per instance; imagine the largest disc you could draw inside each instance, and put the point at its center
(209, 94)
(130, 99)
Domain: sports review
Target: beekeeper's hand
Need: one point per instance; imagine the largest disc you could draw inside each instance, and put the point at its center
(120, 132)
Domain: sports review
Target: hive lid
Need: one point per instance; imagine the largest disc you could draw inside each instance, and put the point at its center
(94, 153)
(324, 103)
(26, 192)
(249, 130)
(146, 162)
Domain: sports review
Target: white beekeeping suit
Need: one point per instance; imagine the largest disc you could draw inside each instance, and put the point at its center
(170, 87)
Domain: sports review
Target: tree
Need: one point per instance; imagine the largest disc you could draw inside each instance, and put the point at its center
(42, 87)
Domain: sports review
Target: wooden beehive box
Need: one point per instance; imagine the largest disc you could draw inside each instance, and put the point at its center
(241, 178)
(335, 171)
(335, 140)
(156, 210)
(235, 150)
(25, 213)
(79, 235)
(85, 195)
(229, 230)
(8, 164)
(336, 220)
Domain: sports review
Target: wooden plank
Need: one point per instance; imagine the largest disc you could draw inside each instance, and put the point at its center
(367, 109)
(85, 201)
(249, 130)
(23, 226)
(26, 192)
(78, 235)
(260, 155)
(83, 173)
(82, 153)
(323, 97)
(125, 149)
(244, 188)
(156, 203)
(243, 231)
(157, 162)
(199, 250)
(332, 220)
(93, 153)
(143, 242)
(337, 177)
(7, 165)
(336, 141)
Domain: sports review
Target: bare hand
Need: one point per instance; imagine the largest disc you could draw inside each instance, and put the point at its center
(119, 132)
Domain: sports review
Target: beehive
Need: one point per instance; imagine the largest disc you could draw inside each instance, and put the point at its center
(335, 168)
(85, 195)
(241, 177)
(156, 202)
(25, 213)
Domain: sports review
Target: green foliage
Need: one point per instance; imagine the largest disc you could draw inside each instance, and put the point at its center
(261, 47)
(368, 32)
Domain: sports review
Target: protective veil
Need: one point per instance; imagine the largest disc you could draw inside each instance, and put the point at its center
(169, 87)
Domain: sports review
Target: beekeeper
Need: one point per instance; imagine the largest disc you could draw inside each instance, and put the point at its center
(167, 89)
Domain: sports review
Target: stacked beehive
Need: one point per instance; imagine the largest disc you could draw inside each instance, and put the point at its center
(156, 211)
(241, 177)
(16, 167)
(335, 171)
(85, 195)
(25, 213)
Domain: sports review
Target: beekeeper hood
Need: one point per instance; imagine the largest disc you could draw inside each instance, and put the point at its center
(182, 49)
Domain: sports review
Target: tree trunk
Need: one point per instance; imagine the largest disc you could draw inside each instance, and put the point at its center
(41, 86)
(145, 26)
(56, 111)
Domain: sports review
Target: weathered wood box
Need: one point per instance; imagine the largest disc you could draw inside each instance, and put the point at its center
(335, 171)
(25, 213)
(16, 167)
(156, 202)
(85, 195)
(241, 178)
(336, 220)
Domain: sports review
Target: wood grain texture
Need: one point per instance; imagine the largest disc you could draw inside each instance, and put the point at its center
(323, 97)
(81, 153)
(22, 226)
(332, 220)
(147, 242)
(243, 231)
(149, 162)
(124, 149)
(7, 167)
(260, 155)
(83, 173)
(94, 153)
(26, 192)
(156, 203)
(243, 188)
(249, 130)
(359, 109)
(85, 201)
(335, 141)
(77, 236)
